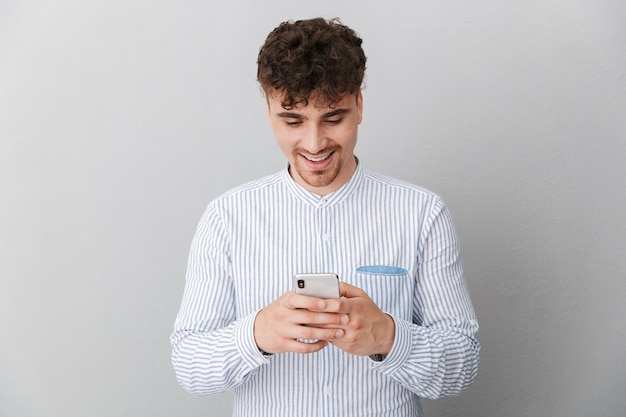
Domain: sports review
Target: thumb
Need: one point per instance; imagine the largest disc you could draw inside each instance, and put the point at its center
(350, 291)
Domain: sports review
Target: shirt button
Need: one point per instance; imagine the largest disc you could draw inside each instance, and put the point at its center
(326, 237)
(473, 322)
(323, 202)
(327, 390)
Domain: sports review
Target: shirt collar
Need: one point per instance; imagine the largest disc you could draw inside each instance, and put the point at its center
(333, 198)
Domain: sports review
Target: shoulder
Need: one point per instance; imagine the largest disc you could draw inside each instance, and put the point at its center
(374, 180)
(261, 185)
(242, 200)
(402, 196)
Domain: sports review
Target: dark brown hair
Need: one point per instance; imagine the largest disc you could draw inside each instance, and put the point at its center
(307, 56)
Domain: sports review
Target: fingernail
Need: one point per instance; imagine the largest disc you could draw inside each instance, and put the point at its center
(321, 304)
(345, 319)
(338, 334)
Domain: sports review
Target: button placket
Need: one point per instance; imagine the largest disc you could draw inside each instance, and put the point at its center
(325, 234)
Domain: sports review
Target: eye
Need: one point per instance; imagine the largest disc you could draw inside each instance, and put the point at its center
(333, 121)
(293, 123)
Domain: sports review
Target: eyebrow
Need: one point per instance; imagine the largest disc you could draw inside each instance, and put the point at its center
(292, 115)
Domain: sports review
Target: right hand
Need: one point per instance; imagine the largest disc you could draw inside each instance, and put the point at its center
(292, 316)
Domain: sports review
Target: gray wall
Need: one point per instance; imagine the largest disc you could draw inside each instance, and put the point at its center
(120, 120)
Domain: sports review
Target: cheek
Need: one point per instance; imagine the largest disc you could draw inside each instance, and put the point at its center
(284, 144)
(348, 137)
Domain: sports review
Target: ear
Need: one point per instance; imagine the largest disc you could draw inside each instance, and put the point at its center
(359, 105)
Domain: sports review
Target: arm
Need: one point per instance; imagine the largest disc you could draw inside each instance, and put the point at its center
(437, 354)
(212, 350)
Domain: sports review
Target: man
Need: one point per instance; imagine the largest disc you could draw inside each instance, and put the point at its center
(404, 326)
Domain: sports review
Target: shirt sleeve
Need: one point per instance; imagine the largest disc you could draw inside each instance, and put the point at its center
(212, 350)
(436, 354)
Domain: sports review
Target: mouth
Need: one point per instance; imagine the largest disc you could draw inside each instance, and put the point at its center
(317, 159)
(318, 163)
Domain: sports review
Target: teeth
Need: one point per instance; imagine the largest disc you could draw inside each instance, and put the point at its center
(320, 159)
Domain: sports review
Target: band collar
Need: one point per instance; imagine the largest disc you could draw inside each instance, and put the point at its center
(333, 198)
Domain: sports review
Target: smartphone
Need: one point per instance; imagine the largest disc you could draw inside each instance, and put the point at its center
(322, 285)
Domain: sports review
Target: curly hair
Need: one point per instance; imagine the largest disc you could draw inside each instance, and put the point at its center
(317, 56)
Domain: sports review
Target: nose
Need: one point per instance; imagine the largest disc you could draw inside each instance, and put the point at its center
(314, 140)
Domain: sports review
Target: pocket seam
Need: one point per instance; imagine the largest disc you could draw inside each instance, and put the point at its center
(381, 270)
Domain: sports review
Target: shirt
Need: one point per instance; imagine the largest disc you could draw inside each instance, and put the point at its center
(392, 239)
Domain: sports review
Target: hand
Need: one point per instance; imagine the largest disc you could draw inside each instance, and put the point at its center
(293, 316)
(369, 330)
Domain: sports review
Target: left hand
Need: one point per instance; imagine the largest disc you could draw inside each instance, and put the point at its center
(369, 330)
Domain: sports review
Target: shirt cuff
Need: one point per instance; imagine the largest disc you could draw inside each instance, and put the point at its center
(246, 345)
(400, 350)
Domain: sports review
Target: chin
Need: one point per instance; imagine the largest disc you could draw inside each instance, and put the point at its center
(320, 180)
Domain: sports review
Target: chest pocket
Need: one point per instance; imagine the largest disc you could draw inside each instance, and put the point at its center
(390, 287)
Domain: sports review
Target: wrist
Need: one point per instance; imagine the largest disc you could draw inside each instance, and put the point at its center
(389, 338)
(386, 342)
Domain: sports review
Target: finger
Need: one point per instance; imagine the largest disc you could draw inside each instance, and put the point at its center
(341, 306)
(292, 300)
(315, 333)
(319, 319)
(299, 347)
(344, 321)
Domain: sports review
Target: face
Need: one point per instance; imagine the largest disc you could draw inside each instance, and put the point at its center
(318, 140)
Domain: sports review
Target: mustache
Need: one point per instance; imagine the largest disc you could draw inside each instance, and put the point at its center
(327, 150)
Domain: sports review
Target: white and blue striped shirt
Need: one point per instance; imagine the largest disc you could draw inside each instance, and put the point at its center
(394, 240)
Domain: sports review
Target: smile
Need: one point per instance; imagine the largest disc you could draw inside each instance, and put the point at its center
(318, 159)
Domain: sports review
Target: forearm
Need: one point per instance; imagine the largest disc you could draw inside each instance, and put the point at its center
(215, 361)
(436, 353)
(433, 362)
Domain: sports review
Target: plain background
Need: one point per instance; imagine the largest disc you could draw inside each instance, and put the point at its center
(120, 120)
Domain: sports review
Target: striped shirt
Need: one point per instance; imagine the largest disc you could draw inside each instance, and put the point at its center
(394, 240)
